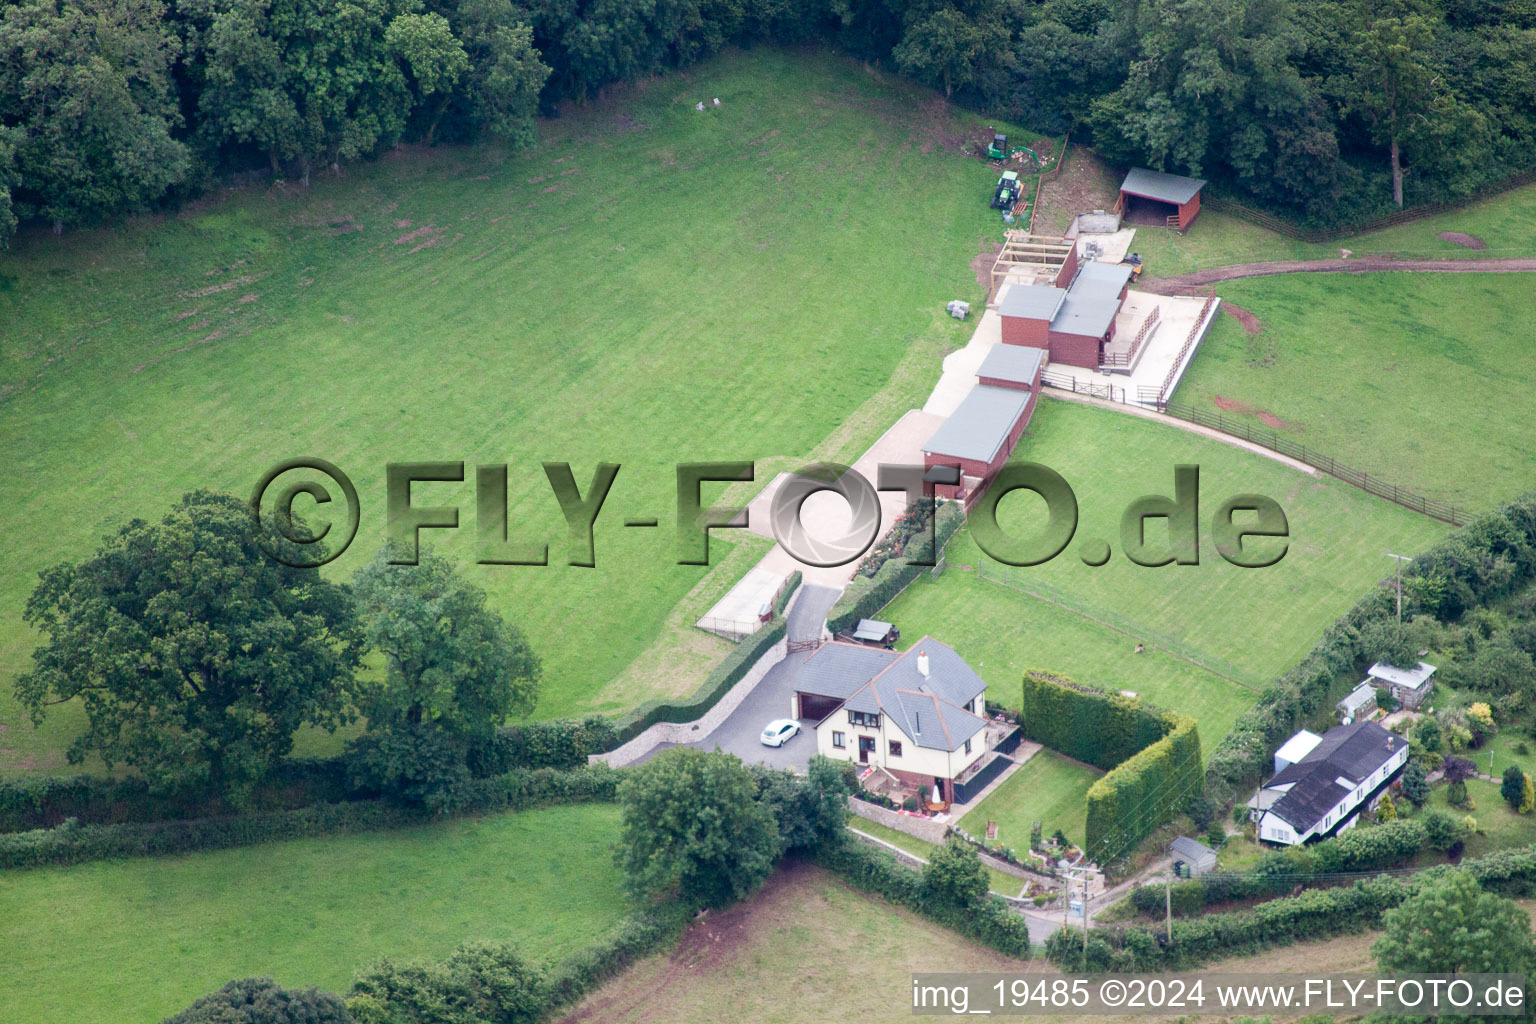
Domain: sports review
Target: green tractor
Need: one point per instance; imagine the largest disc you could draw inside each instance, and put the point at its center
(999, 148)
(1008, 189)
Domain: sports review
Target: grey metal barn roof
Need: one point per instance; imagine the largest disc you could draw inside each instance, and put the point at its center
(1032, 301)
(1348, 752)
(871, 629)
(981, 424)
(1097, 280)
(1165, 188)
(1086, 316)
(1015, 363)
(1190, 849)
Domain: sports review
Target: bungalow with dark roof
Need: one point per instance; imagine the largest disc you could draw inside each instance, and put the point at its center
(1324, 792)
(916, 715)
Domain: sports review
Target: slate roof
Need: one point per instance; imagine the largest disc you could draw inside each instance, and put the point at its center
(1015, 363)
(1191, 849)
(1087, 316)
(979, 427)
(928, 709)
(1412, 678)
(1032, 301)
(1350, 753)
(1165, 188)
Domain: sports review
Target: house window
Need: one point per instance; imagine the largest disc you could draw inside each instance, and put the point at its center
(967, 746)
(895, 748)
(839, 740)
(866, 718)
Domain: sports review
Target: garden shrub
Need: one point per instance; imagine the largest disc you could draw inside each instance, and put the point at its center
(263, 1001)
(866, 595)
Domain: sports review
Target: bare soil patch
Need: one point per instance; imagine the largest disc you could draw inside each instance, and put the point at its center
(1250, 322)
(1084, 184)
(1264, 416)
(1463, 239)
(981, 266)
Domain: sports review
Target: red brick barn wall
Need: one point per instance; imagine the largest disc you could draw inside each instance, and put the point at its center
(1068, 269)
(1075, 350)
(1030, 333)
(1189, 211)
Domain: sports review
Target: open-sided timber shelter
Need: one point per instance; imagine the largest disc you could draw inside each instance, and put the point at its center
(1172, 198)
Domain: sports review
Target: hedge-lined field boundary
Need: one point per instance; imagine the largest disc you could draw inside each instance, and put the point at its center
(1152, 757)
(72, 843)
(866, 595)
(992, 922)
(1492, 557)
(40, 802)
(1313, 914)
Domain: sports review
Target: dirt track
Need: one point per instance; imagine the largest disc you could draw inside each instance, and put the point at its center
(1190, 284)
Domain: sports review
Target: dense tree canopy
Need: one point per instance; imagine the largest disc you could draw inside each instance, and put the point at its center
(1450, 925)
(1327, 111)
(196, 656)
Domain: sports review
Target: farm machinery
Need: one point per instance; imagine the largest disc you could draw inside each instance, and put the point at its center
(1008, 190)
(998, 150)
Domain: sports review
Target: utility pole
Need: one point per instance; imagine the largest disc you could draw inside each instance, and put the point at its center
(1400, 560)
(1168, 895)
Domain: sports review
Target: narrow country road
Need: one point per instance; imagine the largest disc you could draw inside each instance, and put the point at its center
(1190, 284)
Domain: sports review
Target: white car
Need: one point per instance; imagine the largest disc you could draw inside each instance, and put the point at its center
(780, 731)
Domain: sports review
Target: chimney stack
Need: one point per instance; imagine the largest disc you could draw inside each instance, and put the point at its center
(922, 664)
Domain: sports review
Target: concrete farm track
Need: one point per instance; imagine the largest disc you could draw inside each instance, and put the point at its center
(1190, 284)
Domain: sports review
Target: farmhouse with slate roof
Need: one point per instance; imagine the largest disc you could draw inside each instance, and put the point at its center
(918, 715)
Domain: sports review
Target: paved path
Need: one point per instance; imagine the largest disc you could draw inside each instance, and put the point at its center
(1189, 284)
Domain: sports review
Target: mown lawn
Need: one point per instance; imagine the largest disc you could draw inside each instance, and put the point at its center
(651, 285)
(1248, 624)
(137, 940)
(1049, 788)
(1498, 826)
(1417, 378)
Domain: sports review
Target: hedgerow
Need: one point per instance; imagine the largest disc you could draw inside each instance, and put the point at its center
(73, 843)
(866, 595)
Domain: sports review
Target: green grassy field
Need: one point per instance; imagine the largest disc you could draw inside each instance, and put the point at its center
(137, 940)
(1049, 789)
(1498, 826)
(1504, 223)
(1394, 374)
(651, 285)
(1251, 623)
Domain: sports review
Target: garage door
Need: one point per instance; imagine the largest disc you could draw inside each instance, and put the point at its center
(816, 707)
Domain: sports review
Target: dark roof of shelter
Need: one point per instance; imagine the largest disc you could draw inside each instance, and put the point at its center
(1016, 363)
(872, 629)
(1032, 301)
(1348, 752)
(1191, 849)
(1165, 188)
(1087, 316)
(979, 426)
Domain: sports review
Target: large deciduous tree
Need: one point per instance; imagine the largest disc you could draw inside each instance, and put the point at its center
(500, 94)
(952, 45)
(194, 654)
(1404, 97)
(693, 825)
(87, 101)
(1450, 925)
(453, 671)
(263, 1001)
(311, 80)
(434, 59)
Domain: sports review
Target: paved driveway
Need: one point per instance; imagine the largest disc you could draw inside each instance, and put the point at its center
(772, 698)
